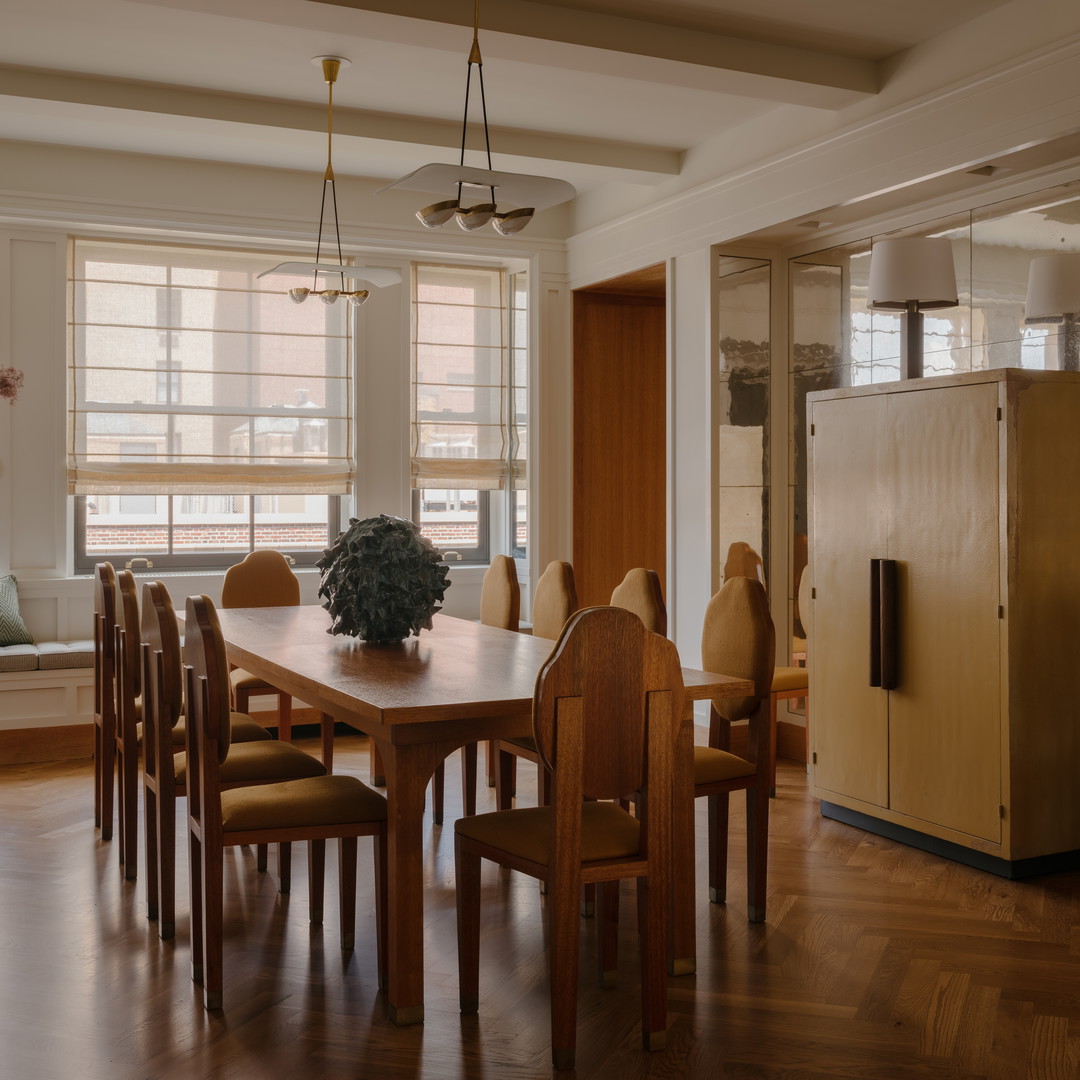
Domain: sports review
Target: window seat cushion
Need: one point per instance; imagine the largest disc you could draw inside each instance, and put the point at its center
(47, 655)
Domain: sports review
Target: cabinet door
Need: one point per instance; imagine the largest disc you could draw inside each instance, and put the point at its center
(849, 725)
(943, 498)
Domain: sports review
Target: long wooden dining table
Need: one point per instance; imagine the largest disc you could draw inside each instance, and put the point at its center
(420, 700)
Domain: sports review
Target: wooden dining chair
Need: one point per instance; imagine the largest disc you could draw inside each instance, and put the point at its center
(641, 592)
(104, 696)
(738, 639)
(128, 719)
(606, 714)
(500, 606)
(265, 579)
(554, 601)
(254, 757)
(314, 809)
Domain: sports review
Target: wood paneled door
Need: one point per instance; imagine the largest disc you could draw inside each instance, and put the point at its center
(619, 431)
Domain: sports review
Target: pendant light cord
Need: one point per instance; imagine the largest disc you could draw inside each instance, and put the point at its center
(477, 59)
(328, 180)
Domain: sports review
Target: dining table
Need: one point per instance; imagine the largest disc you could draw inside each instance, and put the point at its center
(420, 700)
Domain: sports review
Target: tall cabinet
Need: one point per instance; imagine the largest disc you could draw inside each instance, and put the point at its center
(945, 613)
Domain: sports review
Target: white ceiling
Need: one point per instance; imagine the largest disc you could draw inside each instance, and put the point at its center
(590, 91)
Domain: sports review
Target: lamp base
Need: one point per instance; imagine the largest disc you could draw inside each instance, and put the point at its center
(911, 342)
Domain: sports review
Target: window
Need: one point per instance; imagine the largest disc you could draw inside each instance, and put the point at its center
(208, 416)
(469, 409)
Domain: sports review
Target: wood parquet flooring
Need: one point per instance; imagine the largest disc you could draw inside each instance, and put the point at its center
(876, 962)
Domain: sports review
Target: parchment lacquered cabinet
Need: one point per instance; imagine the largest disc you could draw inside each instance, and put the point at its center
(945, 614)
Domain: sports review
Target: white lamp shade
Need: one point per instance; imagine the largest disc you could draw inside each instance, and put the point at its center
(912, 268)
(1053, 286)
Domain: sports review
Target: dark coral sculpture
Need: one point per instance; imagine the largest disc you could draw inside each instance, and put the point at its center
(382, 580)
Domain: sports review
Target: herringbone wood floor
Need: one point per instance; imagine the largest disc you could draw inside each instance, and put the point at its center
(876, 961)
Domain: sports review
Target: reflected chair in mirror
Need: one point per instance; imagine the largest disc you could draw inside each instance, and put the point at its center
(315, 809)
(791, 683)
(265, 579)
(254, 758)
(606, 715)
(738, 639)
(743, 561)
(500, 606)
(554, 601)
(104, 696)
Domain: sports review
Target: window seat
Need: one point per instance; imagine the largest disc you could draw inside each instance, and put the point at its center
(46, 656)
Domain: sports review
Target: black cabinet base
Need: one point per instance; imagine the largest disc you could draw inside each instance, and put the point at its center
(1006, 868)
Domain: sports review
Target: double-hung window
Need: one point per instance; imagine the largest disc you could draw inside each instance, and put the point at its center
(469, 398)
(207, 416)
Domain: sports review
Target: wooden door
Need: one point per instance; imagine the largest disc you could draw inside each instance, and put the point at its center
(848, 522)
(620, 441)
(943, 498)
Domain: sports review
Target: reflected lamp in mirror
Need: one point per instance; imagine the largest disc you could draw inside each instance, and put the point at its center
(912, 274)
(1053, 297)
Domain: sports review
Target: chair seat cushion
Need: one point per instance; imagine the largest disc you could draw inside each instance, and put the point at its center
(240, 679)
(712, 766)
(244, 729)
(18, 657)
(790, 678)
(56, 655)
(252, 761)
(607, 832)
(322, 800)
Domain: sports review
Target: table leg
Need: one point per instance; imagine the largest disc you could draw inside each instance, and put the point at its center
(683, 943)
(408, 769)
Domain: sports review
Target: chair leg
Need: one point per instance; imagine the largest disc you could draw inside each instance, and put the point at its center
(378, 773)
(607, 928)
(467, 873)
(107, 778)
(438, 792)
(212, 902)
(504, 780)
(492, 761)
(347, 848)
(195, 879)
(718, 847)
(285, 866)
(757, 851)
(468, 779)
(128, 760)
(261, 860)
(328, 742)
(564, 929)
(316, 879)
(382, 932)
(653, 903)
(772, 745)
(151, 851)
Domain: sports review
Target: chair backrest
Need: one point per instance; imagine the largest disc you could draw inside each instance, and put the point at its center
(127, 634)
(500, 595)
(163, 677)
(555, 600)
(738, 639)
(104, 639)
(263, 579)
(802, 602)
(743, 561)
(640, 592)
(607, 707)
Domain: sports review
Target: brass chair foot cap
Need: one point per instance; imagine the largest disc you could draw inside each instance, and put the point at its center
(213, 1001)
(348, 943)
(685, 965)
(608, 979)
(718, 896)
(562, 1059)
(654, 1040)
(470, 1005)
(755, 914)
(407, 1014)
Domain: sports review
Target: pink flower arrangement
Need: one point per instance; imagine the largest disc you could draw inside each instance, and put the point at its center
(11, 380)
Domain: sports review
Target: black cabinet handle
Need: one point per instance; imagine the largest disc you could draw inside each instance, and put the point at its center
(884, 625)
(875, 622)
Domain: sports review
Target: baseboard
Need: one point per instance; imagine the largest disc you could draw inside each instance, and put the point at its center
(24, 746)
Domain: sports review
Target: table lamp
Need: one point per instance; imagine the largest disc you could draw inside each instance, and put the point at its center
(912, 274)
(1053, 296)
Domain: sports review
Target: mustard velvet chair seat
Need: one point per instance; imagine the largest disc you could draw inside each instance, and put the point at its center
(738, 639)
(314, 810)
(500, 606)
(608, 684)
(265, 579)
(554, 601)
(258, 760)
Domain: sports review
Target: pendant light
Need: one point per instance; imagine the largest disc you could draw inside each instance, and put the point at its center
(527, 193)
(331, 66)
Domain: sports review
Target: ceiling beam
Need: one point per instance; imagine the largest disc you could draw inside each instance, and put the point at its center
(639, 162)
(540, 33)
